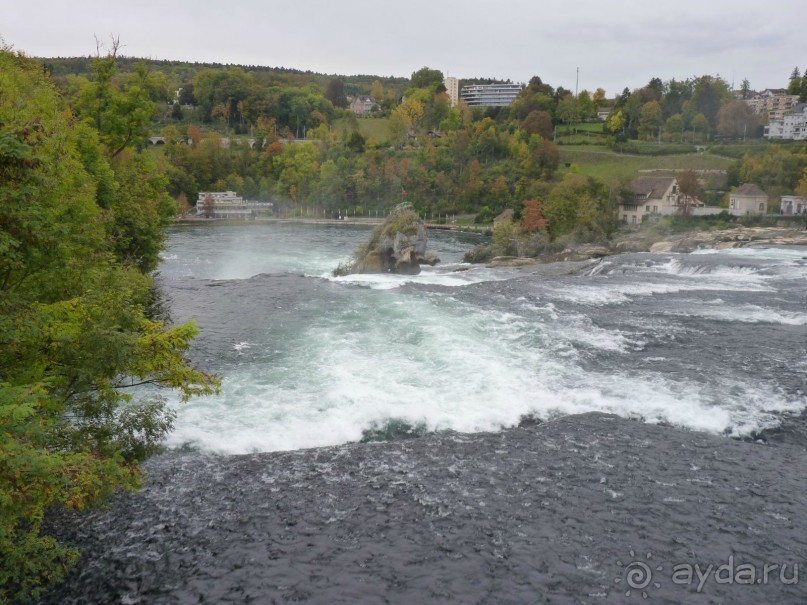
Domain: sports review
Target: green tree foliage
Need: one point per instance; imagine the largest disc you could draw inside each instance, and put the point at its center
(75, 337)
(709, 95)
(650, 119)
(427, 78)
(777, 170)
(580, 204)
(120, 110)
(674, 127)
(568, 109)
(745, 89)
(335, 93)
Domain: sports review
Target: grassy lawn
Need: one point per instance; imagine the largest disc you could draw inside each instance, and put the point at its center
(612, 167)
(581, 127)
(370, 128)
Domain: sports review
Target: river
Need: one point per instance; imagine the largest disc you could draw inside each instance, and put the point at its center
(541, 428)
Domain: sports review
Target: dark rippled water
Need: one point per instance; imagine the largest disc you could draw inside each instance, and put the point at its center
(702, 358)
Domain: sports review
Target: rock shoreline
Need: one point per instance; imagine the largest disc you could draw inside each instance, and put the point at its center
(739, 237)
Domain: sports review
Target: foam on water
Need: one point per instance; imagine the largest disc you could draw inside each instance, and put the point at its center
(494, 346)
(451, 275)
(774, 253)
(441, 368)
(743, 313)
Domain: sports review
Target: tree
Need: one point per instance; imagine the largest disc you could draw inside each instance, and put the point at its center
(532, 217)
(650, 119)
(586, 105)
(745, 89)
(377, 91)
(183, 205)
(598, 98)
(674, 126)
(794, 87)
(568, 109)
(689, 188)
(427, 78)
(578, 203)
(74, 331)
(708, 96)
(121, 113)
(186, 96)
(356, 142)
(700, 123)
(615, 121)
(538, 122)
(737, 119)
(335, 92)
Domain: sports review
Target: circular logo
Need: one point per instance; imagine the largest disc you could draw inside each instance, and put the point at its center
(637, 575)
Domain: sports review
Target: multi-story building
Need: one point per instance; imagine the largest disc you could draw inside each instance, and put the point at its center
(773, 103)
(793, 125)
(490, 95)
(452, 90)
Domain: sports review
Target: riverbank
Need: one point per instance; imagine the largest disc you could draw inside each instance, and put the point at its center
(650, 241)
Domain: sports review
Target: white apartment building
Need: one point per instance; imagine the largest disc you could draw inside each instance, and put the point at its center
(773, 103)
(490, 95)
(452, 90)
(793, 125)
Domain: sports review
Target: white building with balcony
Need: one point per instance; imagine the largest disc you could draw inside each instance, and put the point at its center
(792, 126)
(490, 95)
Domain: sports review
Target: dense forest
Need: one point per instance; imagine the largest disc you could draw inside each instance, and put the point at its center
(287, 136)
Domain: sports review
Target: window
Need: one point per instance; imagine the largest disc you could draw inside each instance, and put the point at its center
(647, 208)
(655, 208)
(762, 206)
(633, 219)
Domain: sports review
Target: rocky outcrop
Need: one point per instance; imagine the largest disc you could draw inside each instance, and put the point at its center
(730, 238)
(649, 242)
(398, 245)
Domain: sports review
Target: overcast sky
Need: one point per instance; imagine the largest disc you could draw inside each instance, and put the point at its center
(614, 43)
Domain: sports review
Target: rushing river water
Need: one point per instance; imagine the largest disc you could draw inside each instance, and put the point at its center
(578, 424)
(712, 341)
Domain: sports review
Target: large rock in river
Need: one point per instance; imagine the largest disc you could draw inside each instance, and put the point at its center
(398, 245)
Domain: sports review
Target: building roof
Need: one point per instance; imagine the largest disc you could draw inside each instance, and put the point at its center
(652, 186)
(750, 189)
